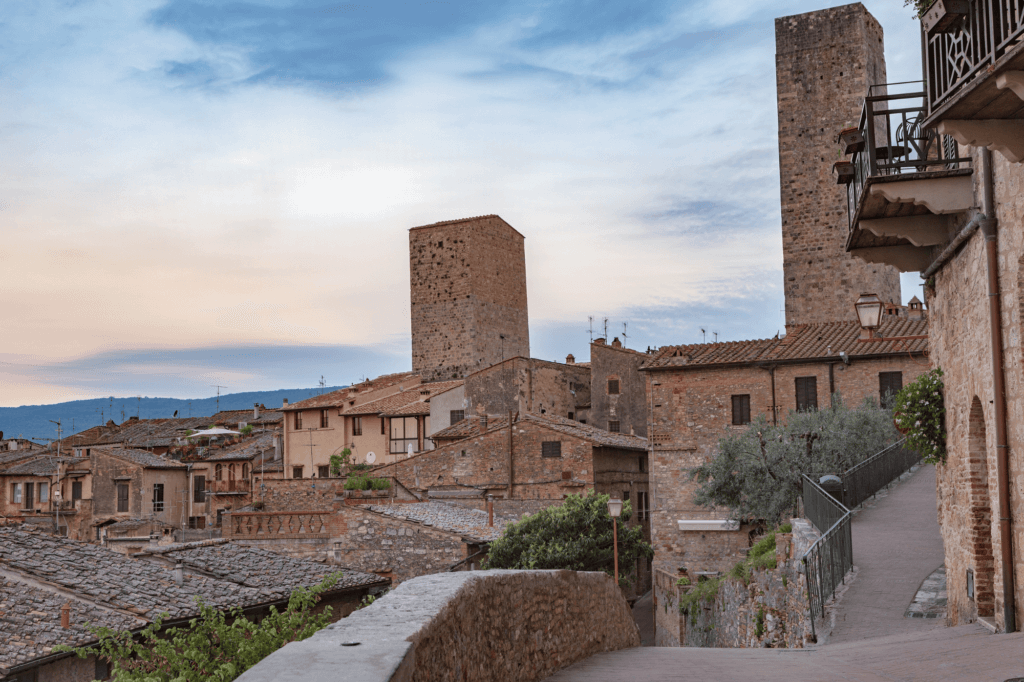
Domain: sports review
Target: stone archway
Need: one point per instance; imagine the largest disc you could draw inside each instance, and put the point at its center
(980, 513)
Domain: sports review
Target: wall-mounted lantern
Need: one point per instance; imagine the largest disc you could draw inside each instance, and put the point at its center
(869, 311)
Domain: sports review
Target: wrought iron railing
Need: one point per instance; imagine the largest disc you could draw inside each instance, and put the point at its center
(823, 510)
(826, 564)
(990, 29)
(895, 143)
(867, 478)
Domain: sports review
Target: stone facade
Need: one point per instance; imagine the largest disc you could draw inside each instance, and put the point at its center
(140, 471)
(968, 491)
(468, 290)
(624, 402)
(825, 62)
(528, 385)
(507, 626)
(299, 494)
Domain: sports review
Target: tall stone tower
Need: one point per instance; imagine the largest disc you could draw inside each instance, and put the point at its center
(468, 295)
(825, 62)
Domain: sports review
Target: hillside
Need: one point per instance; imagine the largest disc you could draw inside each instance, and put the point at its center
(33, 421)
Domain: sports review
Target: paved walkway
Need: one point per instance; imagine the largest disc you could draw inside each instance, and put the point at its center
(896, 547)
(643, 615)
(967, 653)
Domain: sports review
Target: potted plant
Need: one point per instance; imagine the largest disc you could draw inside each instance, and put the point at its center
(851, 140)
(941, 16)
(844, 172)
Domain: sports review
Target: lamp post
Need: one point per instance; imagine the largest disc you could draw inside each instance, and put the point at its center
(614, 509)
(869, 311)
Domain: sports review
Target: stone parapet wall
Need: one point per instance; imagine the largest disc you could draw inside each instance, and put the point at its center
(507, 626)
(308, 494)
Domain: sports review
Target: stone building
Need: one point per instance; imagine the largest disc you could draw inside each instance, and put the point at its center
(133, 484)
(48, 492)
(948, 202)
(619, 397)
(824, 63)
(468, 296)
(704, 392)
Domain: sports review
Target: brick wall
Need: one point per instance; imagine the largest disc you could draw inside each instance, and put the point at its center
(468, 287)
(825, 61)
(299, 494)
(961, 346)
(528, 385)
(629, 406)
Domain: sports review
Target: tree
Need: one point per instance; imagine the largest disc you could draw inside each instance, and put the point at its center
(757, 472)
(339, 461)
(576, 535)
(215, 646)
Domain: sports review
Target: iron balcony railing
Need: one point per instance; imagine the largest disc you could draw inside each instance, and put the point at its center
(895, 143)
(990, 29)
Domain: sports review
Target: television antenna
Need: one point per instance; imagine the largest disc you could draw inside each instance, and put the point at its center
(323, 384)
(606, 329)
(716, 336)
(591, 319)
(218, 395)
(624, 335)
(704, 334)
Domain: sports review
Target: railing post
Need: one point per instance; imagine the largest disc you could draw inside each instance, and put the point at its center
(869, 111)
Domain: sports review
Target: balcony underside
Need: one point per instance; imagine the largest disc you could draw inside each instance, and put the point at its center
(982, 98)
(902, 218)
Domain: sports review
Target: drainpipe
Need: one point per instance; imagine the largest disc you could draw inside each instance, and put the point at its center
(508, 491)
(775, 409)
(988, 228)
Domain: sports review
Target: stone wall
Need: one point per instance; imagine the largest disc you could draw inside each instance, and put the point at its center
(467, 290)
(825, 62)
(528, 385)
(397, 548)
(293, 494)
(630, 406)
(505, 626)
(961, 346)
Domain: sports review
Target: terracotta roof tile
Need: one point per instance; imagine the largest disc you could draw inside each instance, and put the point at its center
(404, 402)
(143, 457)
(340, 397)
(467, 428)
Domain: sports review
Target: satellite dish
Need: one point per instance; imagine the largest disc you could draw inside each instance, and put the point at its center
(370, 458)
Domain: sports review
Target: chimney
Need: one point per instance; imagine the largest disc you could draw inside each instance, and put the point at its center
(133, 419)
(277, 446)
(483, 423)
(255, 411)
(284, 402)
(616, 343)
(570, 359)
(599, 342)
(179, 577)
(154, 538)
(65, 615)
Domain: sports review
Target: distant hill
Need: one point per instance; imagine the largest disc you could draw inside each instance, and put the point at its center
(33, 421)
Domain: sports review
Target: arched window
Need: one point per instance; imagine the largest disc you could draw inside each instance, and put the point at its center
(231, 472)
(245, 471)
(980, 515)
(218, 474)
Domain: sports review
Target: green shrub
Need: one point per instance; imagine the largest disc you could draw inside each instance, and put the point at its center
(339, 460)
(357, 483)
(380, 483)
(760, 556)
(920, 410)
(246, 430)
(683, 582)
(759, 622)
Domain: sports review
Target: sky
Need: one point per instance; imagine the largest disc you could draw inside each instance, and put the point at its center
(202, 193)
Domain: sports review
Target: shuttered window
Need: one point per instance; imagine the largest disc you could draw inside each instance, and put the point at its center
(806, 393)
(158, 497)
(740, 409)
(613, 387)
(298, 421)
(889, 384)
(613, 426)
(122, 497)
(551, 448)
(199, 489)
(325, 419)
(357, 426)
(457, 416)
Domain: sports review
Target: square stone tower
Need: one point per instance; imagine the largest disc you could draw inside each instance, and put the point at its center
(825, 62)
(467, 290)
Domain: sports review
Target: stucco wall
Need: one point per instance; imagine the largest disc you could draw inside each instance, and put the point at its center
(507, 626)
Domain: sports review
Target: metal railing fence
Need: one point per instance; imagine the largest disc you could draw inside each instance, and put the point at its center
(826, 564)
(865, 479)
(823, 510)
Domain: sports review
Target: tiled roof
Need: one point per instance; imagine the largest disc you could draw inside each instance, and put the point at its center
(403, 402)
(452, 518)
(804, 342)
(166, 432)
(467, 428)
(38, 466)
(30, 622)
(244, 450)
(142, 457)
(258, 568)
(341, 396)
(16, 456)
(268, 467)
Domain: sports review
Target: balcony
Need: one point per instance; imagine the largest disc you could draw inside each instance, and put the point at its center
(908, 184)
(974, 70)
(236, 486)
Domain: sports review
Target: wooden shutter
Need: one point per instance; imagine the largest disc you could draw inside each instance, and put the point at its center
(806, 393)
(889, 384)
(551, 448)
(122, 497)
(199, 489)
(613, 387)
(740, 409)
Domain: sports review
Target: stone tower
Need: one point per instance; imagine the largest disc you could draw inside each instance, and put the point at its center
(825, 62)
(467, 290)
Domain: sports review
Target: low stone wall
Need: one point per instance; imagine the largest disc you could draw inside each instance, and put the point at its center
(315, 494)
(505, 626)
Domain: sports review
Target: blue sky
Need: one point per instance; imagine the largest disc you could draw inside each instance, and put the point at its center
(196, 193)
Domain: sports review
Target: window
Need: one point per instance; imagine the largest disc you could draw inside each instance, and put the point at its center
(16, 493)
(218, 472)
(44, 492)
(889, 384)
(404, 434)
(231, 472)
(197, 522)
(357, 426)
(158, 497)
(642, 463)
(551, 448)
(245, 471)
(613, 387)
(740, 410)
(571, 415)
(625, 496)
(323, 471)
(298, 420)
(122, 497)
(29, 497)
(642, 511)
(296, 472)
(806, 393)
(613, 426)
(76, 490)
(199, 489)
(457, 416)
(383, 430)
(102, 670)
(324, 419)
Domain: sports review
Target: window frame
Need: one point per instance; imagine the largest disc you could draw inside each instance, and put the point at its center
(551, 449)
(357, 426)
(17, 493)
(325, 419)
(298, 469)
(123, 500)
(809, 388)
(297, 421)
(741, 416)
(198, 489)
(614, 426)
(76, 491)
(43, 492)
(452, 416)
(158, 498)
(886, 378)
(614, 387)
(323, 469)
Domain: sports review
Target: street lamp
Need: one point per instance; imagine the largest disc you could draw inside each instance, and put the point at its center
(614, 509)
(869, 310)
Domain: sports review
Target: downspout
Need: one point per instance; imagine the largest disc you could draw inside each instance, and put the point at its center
(775, 409)
(508, 491)
(831, 382)
(988, 228)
